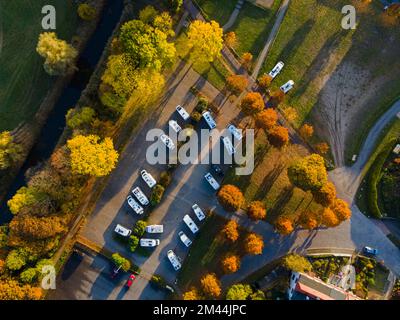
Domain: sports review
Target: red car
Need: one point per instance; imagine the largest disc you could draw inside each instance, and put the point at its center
(130, 281)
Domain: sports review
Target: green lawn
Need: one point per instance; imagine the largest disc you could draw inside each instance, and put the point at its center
(23, 83)
(253, 26)
(214, 72)
(219, 10)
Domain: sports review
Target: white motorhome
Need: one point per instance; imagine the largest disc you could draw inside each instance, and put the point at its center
(190, 223)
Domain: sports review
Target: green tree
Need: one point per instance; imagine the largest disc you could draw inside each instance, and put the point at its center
(156, 194)
(120, 261)
(86, 12)
(58, 54)
(205, 41)
(29, 275)
(16, 259)
(296, 263)
(77, 118)
(91, 157)
(148, 14)
(25, 196)
(139, 228)
(133, 243)
(10, 152)
(309, 173)
(239, 292)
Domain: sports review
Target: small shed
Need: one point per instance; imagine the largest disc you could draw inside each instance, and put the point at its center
(396, 149)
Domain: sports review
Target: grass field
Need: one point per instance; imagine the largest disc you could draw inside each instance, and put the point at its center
(219, 10)
(321, 57)
(214, 72)
(253, 26)
(23, 82)
(270, 184)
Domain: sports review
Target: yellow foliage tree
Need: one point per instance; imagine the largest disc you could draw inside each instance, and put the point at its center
(210, 285)
(192, 294)
(306, 131)
(254, 244)
(91, 157)
(10, 152)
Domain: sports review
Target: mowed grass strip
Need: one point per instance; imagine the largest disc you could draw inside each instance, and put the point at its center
(252, 27)
(23, 82)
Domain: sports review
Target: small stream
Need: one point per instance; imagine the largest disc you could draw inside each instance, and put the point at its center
(55, 124)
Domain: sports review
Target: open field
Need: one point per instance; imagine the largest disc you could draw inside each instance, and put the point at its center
(23, 82)
(343, 78)
(214, 72)
(219, 11)
(270, 184)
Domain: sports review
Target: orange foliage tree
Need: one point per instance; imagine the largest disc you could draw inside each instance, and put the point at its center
(231, 231)
(236, 83)
(341, 209)
(322, 148)
(329, 218)
(210, 285)
(278, 136)
(192, 294)
(256, 210)
(264, 81)
(247, 58)
(308, 220)
(230, 39)
(254, 244)
(252, 103)
(266, 119)
(284, 225)
(230, 197)
(326, 195)
(231, 263)
(306, 131)
(277, 98)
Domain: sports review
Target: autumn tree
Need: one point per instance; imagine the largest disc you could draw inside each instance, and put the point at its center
(58, 54)
(284, 225)
(239, 292)
(322, 148)
(254, 244)
(277, 98)
(247, 59)
(290, 114)
(341, 209)
(37, 228)
(10, 151)
(237, 83)
(148, 14)
(175, 5)
(252, 103)
(230, 231)
(16, 259)
(308, 220)
(230, 197)
(264, 81)
(12, 290)
(256, 210)
(230, 39)
(2, 266)
(266, 119)
(278, 136)
(296, 263)
(120, 261)
(230, 263)
(329, 218)
(24, 197)
(91, 157)
(86, 12)
(192, 294)
(205, 41)
(210, 285)
(306, 131)
(78, 118)
(308, 173)
(326, 195)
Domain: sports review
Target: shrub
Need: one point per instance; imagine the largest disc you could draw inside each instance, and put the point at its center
(120, 261)
(157, 194)
(29, 275)
(165, 179)
(139, 228)
(296, 263)
(239, 292)
(230, 197)
(202, 105)
(86, 12)
(196, 116)
(133, 243)
(158, 281)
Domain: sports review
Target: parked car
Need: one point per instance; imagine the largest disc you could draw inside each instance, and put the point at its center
(130, 281)
(228, 145)
(138, 193)
(148, 178)
(371, 251)
(122, 231)
(167, 141)
(198, 212)
(184, 238)
(175, 126)
(182, 112)
(149, 242)
(115, 271)
(209, 119)
(235, 132)
(190, 223)
(174, 259)
(277, 69)
(287, 86)
(210, 179)
(155, 228)
(134, 205)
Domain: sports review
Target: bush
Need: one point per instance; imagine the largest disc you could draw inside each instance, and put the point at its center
(239, 292)
(165, 179)
(157, 194)
(86, 12)
(196, 116)
(296, 263)
(29, 275)
(139, 228)
(202, 105)
(120, 261)
(133, 243)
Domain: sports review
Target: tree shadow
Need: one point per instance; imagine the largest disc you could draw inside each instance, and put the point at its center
(269, 181)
